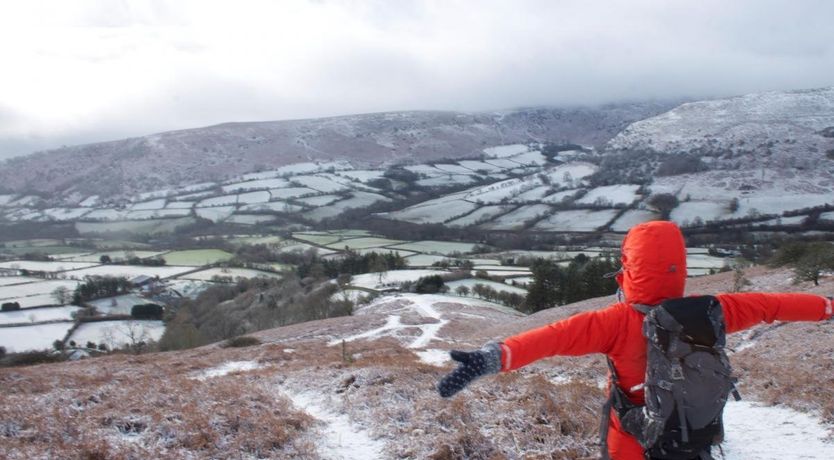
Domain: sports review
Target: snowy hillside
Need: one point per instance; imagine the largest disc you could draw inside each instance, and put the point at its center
(219, 152)
(790, 124)
(362, 387)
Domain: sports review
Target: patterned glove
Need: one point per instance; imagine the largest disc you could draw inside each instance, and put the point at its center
(473, 365)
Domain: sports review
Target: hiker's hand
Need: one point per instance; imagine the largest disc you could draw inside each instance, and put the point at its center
(472, 365)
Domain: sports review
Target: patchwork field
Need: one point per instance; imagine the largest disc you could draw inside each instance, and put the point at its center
(234, 273)
(38, 315)
(28, 338)
(116, 334)
(197, 257)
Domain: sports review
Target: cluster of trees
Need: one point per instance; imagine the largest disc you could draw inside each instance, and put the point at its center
(229, 310)
(10, 306)
(808, 259)
(100, 286)
(134, 260)
(147, 311)
(510, 299)
(583, 278)
(352, 263)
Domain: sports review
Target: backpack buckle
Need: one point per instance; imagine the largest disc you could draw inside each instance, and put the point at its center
(677, 372)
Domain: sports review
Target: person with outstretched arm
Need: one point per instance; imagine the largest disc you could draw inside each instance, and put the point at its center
(653, 271)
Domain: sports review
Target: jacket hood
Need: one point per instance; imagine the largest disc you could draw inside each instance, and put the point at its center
(653, 263)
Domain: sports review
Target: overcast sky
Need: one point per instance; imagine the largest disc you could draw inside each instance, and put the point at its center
(79, 71)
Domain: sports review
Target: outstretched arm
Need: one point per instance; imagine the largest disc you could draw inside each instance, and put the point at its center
(742, 311)
(589, 332)
(582, 334)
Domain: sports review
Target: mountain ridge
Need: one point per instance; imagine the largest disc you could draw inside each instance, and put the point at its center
(220, 151)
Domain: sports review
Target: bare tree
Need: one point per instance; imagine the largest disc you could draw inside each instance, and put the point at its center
(62, 295)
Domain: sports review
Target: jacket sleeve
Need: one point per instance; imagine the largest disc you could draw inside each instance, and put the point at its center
(742, 311)
(588, 332)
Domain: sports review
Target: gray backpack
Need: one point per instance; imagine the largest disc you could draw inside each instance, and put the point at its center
(688, 381)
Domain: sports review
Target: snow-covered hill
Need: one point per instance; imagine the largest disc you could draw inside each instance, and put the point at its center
(219, 152)
(363, 387)
(786, 124)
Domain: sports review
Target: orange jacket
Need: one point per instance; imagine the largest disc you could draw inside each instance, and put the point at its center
(654, 269)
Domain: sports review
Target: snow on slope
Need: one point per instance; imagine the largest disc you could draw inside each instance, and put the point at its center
(773, 433)
(789, 119)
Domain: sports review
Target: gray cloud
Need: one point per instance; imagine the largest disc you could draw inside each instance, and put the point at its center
(192, 64)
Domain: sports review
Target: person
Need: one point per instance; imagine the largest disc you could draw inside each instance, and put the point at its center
(653, 270)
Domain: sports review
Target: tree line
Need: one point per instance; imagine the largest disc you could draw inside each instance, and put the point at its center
(583, 278)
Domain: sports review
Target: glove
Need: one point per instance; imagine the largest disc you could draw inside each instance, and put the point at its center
(473, 365)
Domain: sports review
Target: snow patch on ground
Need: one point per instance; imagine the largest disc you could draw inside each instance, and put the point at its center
(228, 368)
(434, 356)
(340, 438)
(772, 433)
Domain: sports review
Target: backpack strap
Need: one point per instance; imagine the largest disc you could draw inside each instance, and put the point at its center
(606, 410)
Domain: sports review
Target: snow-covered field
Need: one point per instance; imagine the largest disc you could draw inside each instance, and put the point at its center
(632, 218)
(145, 205)
(447, 180)
(129, 271)
(502, 151)
(471, 282)
(358, 199)
(390, 278)
(113, 255)
(253, 197)
(363, 243)
(272, 206)
(321, 200)
(482, 214)
(690, 211)
(256, 185)
(576, 221)
(292, 192)
(517, 219)
(19, 292)
(197, 257)
(38, 315)
(120, 305)
(444, 248)
(9, 280)
(116, 334)
(571, 174)
(319, 183)
(216, 214)
(249, 219)
(434, 211)
(754, 431)
(224, 200)
(234, 273)
(424, 260)
(35, 337)
(50, 267)
(611, 194)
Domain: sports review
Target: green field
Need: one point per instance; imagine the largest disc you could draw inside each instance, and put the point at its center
(316, 238)
(260, 239)
(149, 226)
(364, 243)
(196, 257)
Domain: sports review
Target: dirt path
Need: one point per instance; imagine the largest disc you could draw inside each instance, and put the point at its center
(340, 438)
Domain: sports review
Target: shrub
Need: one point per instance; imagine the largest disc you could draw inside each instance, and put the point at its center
(680, 164)
(147, 311)
(31, 358)
(429, 285)
(663, 203)
(241, 342)
(10, 306)
(2, 352)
